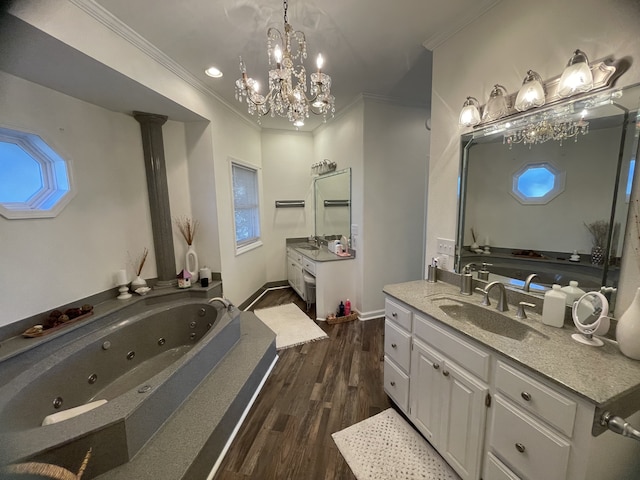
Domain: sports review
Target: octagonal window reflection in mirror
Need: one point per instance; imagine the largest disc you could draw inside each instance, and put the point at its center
(537, 183)
(35, 181)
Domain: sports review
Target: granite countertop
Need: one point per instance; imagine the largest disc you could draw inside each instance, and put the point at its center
(321, 254)
(601, 375)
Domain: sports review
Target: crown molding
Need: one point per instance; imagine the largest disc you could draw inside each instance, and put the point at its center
(442, 36)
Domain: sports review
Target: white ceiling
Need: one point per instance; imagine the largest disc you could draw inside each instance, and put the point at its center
(375, 47)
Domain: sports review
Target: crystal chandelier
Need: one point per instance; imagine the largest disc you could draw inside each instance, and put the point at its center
(546, 130)
(287, 95)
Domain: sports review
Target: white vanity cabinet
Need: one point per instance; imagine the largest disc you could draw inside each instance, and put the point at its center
(294, 272)
(397, 353)
(443, 400)
(448, 404)
(490, 417)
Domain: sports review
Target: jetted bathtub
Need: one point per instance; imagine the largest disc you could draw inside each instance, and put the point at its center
(144, 363)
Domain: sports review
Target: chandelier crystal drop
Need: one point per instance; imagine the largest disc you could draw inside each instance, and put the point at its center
(545, 130)
(287, 95)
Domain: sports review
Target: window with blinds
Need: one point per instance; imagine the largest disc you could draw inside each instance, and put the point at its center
(246, 207)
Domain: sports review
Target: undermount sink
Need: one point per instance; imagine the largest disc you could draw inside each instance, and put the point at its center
(308, 247)
(484, 318)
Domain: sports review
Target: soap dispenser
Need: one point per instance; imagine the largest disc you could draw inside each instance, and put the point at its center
(466, 280)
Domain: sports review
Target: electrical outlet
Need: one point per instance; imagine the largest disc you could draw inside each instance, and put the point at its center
(446, 247)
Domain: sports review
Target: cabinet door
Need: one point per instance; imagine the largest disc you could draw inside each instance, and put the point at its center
(464, 418)
(426, 386)
(291, 272)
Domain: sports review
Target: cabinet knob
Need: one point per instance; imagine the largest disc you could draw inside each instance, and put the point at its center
(394, 314)
(526, 396)
(393, 384)
(520, 447)
(436, 366)
(393, 345)
(445, 373)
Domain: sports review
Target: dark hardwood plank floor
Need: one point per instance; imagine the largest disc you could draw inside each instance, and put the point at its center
(314, 390)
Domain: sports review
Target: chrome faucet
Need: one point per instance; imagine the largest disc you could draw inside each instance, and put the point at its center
(502, 306)
(227, 304)
(527, 282)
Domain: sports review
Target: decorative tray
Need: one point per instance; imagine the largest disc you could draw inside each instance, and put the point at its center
(58, 320)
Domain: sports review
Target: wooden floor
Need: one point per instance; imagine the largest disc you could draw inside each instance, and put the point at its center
(314, 390)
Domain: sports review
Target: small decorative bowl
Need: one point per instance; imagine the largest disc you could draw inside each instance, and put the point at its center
(142, 290)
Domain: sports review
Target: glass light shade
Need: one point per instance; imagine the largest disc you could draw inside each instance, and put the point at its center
(577, 76)
(497, 106)
(531, 94)
(470, 114)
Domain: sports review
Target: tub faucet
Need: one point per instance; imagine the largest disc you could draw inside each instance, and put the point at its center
(502, 306)
(227, 304)
(527, 282)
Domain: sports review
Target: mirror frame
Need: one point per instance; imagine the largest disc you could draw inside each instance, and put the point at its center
(615, 97)
(315, 200)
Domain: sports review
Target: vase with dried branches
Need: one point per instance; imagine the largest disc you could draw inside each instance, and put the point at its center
(138, 264)
(188, 228)
(599, 231)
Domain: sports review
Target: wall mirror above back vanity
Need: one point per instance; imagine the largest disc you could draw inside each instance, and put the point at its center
(540, 191)
(333, 204)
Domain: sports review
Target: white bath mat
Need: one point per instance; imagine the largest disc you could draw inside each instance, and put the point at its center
(291, 326)
(386, 447)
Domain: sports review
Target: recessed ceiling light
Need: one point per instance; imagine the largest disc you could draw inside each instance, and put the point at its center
(213, 72)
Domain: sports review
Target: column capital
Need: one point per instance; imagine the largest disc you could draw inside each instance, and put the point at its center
(154, 118)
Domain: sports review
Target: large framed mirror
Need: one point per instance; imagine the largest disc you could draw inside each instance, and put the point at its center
(529, 203)
(333, 204)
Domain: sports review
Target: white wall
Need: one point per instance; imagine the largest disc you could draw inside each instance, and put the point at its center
(49, 262)
(499, 48)
(342, 141)
(287, 158)
(396, 149)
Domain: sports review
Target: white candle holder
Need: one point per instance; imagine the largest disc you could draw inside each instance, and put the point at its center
(124, 292)
(122, 282)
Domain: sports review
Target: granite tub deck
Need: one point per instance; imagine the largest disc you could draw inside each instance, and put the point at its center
(603, 376)
(204, 416)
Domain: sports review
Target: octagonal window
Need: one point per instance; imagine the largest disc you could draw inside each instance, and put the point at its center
(537, 183)
(34, 178)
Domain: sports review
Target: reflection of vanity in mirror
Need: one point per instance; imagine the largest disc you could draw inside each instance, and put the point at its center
(526, 208)
(333, 204)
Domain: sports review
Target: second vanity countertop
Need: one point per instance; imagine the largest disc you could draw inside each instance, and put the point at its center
(600, 374)
(321, 254)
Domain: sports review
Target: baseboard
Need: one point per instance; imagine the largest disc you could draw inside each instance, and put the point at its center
(364, 316)
(261, 291)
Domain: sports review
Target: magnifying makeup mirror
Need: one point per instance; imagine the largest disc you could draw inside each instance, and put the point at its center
(590, 316)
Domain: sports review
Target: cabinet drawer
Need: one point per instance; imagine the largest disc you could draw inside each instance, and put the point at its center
(308, 265)
(397, 313)
(293, 255)
(496, 470)
(526, 445)
(537, 398)
(396, 384)
(464, 354)
(397, 344)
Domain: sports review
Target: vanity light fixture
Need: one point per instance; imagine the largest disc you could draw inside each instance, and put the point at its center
(497, 106)
(577, 76)
(470, 114)
(531, 94)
